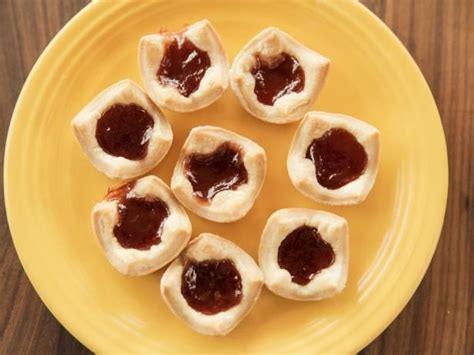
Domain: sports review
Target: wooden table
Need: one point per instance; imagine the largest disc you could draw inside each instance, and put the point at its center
(439, 34)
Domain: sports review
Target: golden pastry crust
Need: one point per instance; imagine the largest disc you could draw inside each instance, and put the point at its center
(215, 81)
(302, 171)
(85, 123)
(267, 45)
(175, 233)
(209, 246)
(229, 205)
(327, 283)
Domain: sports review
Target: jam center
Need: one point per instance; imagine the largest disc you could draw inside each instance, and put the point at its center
(304, 253)
(124, 131)
(212, 173)
(211, 286)
(283, 75)
(183, 65)
(141, 219)
(338, 157)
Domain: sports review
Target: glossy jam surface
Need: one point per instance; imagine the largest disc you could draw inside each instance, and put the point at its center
(140, 219)
(338, 157)
(120, 192)
(212, 173)
(304, 253)
(183, 65)
(211, 286)
(283, 75)
(124, 131)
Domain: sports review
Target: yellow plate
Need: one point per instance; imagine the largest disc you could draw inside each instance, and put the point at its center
(50, 187)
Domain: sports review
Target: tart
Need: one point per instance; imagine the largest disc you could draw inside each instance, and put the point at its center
(276, 78)
(219, 174)
(304, 254)
(212, 285)
(184, 71)
(122, 132)
(334, 158)
(140, 226)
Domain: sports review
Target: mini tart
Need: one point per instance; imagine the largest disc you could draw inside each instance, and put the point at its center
(275, 49)
(304, 254)
(202, 81)
(347, 177)
(229, 203)
(123, 113)
(243, 284)
(116, 227)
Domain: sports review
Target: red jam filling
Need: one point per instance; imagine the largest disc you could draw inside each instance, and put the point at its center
(212, 173)
(124, 131)
(338, 157)
(141, 219)
(211, 286)
(183, 65)
(304, 253)
(283, 75)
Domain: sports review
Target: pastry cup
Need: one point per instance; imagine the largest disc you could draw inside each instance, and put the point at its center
(175, 231)
(329, 281)
(228, 205)
(267, 45)
(302, 171)
(209, 246)
(214, 82)
(85, 125)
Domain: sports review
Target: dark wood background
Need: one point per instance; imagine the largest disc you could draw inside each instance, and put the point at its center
(439, 34)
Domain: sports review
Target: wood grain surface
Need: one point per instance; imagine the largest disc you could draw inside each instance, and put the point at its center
(439, 319)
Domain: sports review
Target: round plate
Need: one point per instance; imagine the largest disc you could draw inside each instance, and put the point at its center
(50, 186)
